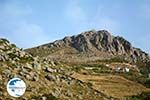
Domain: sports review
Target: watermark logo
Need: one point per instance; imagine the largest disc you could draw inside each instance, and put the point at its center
(16, 87)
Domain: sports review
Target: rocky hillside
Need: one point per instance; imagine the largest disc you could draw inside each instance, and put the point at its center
(45, 79)
(48, 79)
(93, 44)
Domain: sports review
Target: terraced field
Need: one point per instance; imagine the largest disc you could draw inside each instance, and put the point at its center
(112, 85)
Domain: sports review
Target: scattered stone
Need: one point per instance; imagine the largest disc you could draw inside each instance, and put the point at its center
(36, 65)
(29, 66)
(56, 92)
(6, 72)
(50, 77)
(1, 93)
(48, 69)
(22, 54)
(44, 98)
(52, 63)
(32, 76)
(2, 47)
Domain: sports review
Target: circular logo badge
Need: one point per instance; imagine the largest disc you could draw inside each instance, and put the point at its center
(16, 87)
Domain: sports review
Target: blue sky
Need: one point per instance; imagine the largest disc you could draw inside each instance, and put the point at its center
(29, 23)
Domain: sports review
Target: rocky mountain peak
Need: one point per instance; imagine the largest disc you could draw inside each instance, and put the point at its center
(89, 34)
(93, 42)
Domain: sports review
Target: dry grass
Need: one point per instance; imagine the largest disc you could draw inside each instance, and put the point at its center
(112, 85)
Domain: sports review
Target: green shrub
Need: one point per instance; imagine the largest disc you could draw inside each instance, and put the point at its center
(5, 40)
(77, 69)
(13, 45)
(144, 68)
(48, 97)
(118, 59)
(142, 96)
(114, 59)
(12, 55)
(147, 83)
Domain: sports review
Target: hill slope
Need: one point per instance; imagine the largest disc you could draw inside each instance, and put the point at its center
(107, 63)
(45, 79)
(93, 65)
(94, 44)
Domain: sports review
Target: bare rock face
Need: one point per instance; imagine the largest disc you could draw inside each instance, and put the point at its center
(101, 41)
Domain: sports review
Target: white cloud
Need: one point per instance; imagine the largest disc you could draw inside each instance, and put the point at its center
(99, 18)
(102, 20)
(74, 11)
(109, 24)
(29, 35)
(16, 27)
(14, 9)
(146, 10)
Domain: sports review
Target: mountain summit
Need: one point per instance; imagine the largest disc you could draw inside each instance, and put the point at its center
(98, 44)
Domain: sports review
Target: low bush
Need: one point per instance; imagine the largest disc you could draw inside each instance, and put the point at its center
(142, 96)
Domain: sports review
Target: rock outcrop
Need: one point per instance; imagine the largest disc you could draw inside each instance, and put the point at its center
(91, 42)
